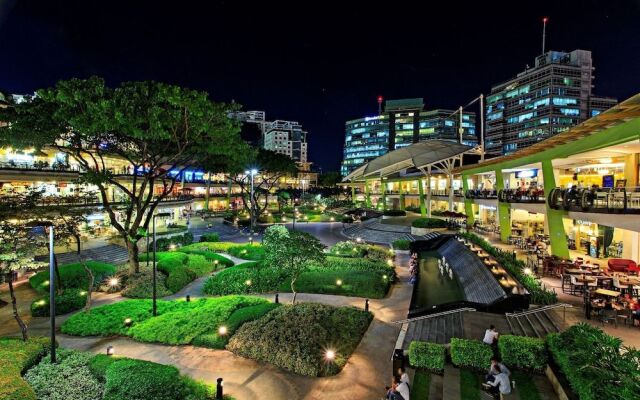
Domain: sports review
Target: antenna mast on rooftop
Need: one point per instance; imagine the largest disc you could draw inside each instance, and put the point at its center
(544, 32)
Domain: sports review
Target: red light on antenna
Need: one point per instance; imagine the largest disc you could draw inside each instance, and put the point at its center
(545, 20)
(380, 99)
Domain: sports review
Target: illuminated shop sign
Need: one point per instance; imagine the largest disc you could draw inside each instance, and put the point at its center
(527, 173)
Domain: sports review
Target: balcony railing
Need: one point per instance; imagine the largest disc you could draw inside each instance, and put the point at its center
(533, 195)
(481, 194)
(39, 166)
(597, 200)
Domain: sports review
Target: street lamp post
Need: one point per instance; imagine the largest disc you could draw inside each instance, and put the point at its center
(251, 173)
(155, 249)
(52, 284)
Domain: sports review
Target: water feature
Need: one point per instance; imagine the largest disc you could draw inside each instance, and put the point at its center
(437, 284)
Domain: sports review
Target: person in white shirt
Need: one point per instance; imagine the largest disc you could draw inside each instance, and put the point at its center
(491, 335)
(402, 388)
(496, 361)
(500, 384)
(404, 377)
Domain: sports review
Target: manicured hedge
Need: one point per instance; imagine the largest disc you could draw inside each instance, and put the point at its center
(16, 357)
(66, 302)
(164, 244)
(178, 322)
(137, 379)
(140, 285)
(539, 294)
(249, 277)
(236, 320)
(296, 337)
(210, 237)
(431, 223)
(596, 365)
(523, 352)
(69, 378)
(470, 354)
(199, 249)
(247, 251)
(352, 249)
(394, 213)
(430, 356)
(401, 244)
(74, 275)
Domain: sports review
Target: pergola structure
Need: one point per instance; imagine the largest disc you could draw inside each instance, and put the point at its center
(440, 155)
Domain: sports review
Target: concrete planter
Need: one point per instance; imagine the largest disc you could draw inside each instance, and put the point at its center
(423, 231)
(401, 251)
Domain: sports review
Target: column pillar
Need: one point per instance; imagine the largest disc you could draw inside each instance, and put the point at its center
(206, 194)
(383, 194)
(353, 193)
(631, 169)
(504, 210)
(557, 236)
(229, 194)
(429, 191)
(423, 210)
(367, 193)
(468, 203)
(450, 184)
(401, 196)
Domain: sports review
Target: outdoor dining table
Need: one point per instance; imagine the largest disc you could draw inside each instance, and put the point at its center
(629, 281)
(585, 279)
(575, 271)
(607, 292)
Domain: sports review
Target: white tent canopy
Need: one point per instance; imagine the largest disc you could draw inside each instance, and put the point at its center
(419, 155)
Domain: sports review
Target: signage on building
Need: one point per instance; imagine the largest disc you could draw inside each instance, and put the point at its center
(527, 173)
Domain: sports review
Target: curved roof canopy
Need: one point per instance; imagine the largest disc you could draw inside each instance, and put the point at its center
(418, 155)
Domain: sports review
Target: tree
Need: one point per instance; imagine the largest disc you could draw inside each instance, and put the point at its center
(291, 251)
(156, 130)
(272, 168)
(17, 246)
(329, 179)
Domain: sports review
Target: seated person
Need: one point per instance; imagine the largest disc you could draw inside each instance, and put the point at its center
(500, 384)
(496, 362)
(491, 335)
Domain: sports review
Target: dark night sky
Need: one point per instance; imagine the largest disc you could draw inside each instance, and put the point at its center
(318, 62)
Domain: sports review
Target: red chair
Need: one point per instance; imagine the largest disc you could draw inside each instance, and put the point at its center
(623, 265)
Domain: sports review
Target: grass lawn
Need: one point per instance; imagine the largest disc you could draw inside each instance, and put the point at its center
(299, 337)
(525, 385)
(178, 321)
(420, 385)
(469, 385)
(245, 251)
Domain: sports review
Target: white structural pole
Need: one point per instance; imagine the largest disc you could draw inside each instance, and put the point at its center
(460, 130)
(481, 127)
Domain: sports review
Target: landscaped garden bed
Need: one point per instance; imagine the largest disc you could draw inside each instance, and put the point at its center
(423, 226)
(245, 251)
(539, 294)
(308, 339)
(26, 373)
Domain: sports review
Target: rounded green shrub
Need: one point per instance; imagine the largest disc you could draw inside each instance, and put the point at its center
(140, 285)
(66, 302)
(74, 275)
(16, 358)
(143, 380)
(210, 237)
(430, 356)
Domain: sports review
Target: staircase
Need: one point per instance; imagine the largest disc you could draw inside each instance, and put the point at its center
(435, 328)
(374, 231)
(537, 322)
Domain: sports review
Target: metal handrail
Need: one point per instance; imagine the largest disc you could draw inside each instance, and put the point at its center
(440, 314)
(539, 309)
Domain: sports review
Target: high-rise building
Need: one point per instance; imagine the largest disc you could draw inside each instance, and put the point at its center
(284, 137)
(542, 101)
(402, 123)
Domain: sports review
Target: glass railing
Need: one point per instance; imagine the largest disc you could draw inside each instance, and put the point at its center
(39, 166)
(600, 200)
(532, 195)
(481, 194)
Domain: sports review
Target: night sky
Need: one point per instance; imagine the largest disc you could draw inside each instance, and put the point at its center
(317, 62)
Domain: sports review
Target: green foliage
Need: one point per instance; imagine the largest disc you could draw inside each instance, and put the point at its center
(98, 366)
(210, 237)
(469, 385)
(169, 243)
(178, 322)
(526, 386)
(596, 365)
(69, 378)
(429, 223)
(16, 357)
(212, 256)
(180, 269)
(74, 275)
(429, 356)
(70, 300)
(470, 354)
(296, 337)
(420, 385)
(347, 249)
(394, 213)
(401, 244)
(253, 252)
(236, 320)
(143, 380)
(523, 352)
(140, 285)
(539, 295)
(249, 277)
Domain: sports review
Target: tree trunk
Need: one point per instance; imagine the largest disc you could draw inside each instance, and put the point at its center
(77, 245)
(134, 261)
(87, 306)
(23, 326)
(293, 289)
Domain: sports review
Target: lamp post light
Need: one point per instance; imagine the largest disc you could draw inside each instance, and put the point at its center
(155, 249)
(52, 284)
(251, 173)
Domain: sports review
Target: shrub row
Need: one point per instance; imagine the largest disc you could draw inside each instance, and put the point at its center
(296, 338)
(74, 275)
(431, 223)
(596, 365)
(394, 213)
(430, 356)
(401, 244)
(471, 354)
(66, 302)
(16, 357)
(245, 251)
(164, 244)
(539, 295)
(358, 250)
(523, 352)
(210, 237)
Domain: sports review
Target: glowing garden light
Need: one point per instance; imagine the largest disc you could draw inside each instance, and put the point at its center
(128, 322)
(339, 282)
(359, 240)
(385, 277)
(222, 330)
(527, 271)
(41, 302)
(247, 282)
(390, 262)
(330, 355)
(82, 293)
(113, 282)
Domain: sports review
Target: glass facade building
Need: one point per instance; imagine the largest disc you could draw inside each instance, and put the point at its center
(402, 123)
(542, 101)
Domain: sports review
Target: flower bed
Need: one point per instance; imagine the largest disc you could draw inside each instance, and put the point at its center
(539, 295)
(298, 338)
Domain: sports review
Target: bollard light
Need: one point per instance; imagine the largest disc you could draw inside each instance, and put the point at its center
(110, 350)
(359, 239)
(527, 271)
(128, 322)
(390, 262)
(247, 282)
(219, 389)
(277, 298)
(366, 305)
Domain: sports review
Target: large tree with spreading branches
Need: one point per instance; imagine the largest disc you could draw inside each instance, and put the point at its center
(157, 130)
